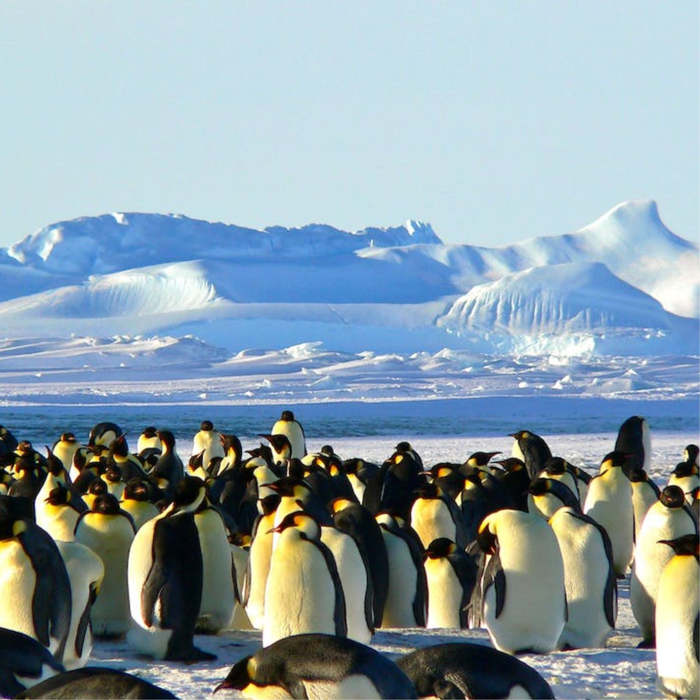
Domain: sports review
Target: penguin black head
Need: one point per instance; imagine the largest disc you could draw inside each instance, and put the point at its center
(53, 463)
(97, 488)
(279, 442)
(206, 425)
(685, 469)
(511, 464)
(167, 438)
(672, 497)
(269, 503)
(687, 545)
(241, 675)
(439, 548)
(403, 447)
(287, 416)
(119, 446)
(24, 447)
(231, 442)
(196, 461)
(188, 492)
(538, 487)
(150, 431)
(263, 452)
(301, 520)
(137, 489)
(555, 465)
(106, 504)
(614, 459)
(521, 435)
(690, 453)
(296, 469)
(428, 491)
(289, 487)
(67, 437)
(637, 474)
(58, 496)
(480, 459)
(113, 473)
(327, 450)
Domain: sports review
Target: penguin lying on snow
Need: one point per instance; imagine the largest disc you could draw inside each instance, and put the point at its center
(318, 665)
(95, 682)
(23, 661)
(464, 670)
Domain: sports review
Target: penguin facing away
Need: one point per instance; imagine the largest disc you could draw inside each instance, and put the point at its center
(315, 666)
(532, 450)
(589, 578)
(165, 579)
(634, 441)
(467, 670)
(677, 621)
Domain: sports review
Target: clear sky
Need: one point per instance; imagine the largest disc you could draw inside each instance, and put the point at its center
(493, 120)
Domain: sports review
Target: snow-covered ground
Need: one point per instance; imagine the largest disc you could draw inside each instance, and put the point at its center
(619, 670)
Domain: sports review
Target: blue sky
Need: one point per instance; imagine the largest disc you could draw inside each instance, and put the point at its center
(495, 121)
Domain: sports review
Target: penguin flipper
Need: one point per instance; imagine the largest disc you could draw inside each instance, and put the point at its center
(84, 621)
(494, 576)
(696, 637)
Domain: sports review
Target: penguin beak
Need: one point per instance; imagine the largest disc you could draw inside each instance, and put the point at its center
(224, 685)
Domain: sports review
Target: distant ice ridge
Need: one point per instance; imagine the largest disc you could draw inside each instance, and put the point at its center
(624, 284)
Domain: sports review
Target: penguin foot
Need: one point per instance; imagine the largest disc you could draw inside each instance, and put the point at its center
(190, 656)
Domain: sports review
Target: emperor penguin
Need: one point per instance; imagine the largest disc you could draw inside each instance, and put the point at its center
(515, 481)
(451, 576)
(57, 515)
(108, 531)
(218, 571)
(634, 441)
(546, 496)
(281, 449)
(303, 592)
(523, 588)
(466, 670)
(129, 465)
(23, 663)
(532, 450)
(292, 429)
(233, 453)
(668, 519)
(677, 621)
(589, 579)
(260, 553)
(435, 515)
(207, 441)
(95, 682)
(168, 470)
(687, 476)
(557, 468)
(356, 581)
(85, 571)
(104, 434)
(407, 595)
(65, 448)
(165, 579)
(691, 453)
(112, 476)
(148, 440)
(645, 493)
(34, 581)
(447, 477)
(136, 501)
(317, 666)
(609, 503)
(359, 472)
(357, 521)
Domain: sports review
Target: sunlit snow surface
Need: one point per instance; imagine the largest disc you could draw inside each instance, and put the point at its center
(619, 670)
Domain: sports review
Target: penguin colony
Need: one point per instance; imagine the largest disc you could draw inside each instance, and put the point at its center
(318, 552)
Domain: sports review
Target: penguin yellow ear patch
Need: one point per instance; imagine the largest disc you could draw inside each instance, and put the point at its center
(398, 459)
(251, 667)
(18, 528)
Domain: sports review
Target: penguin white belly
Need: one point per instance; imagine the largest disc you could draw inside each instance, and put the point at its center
(116, 488)
(609, 503)
(403, 581)
(287, 505)
(264, 475)
(58, 521)
(110, 538)
(533, 613)
(85, 569)
(294, 434)
(218, 596)
(585, 576)
(265, 692)
(17, 581)
(568, 479)
(258, 571)
(300, 594)
(545, 505)
(444, 594)
(431, 519)
(65, 452)
(354, 686)
(678, 670)
(152, 641)
(651, 558)
(353, 576)
(357, 486)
